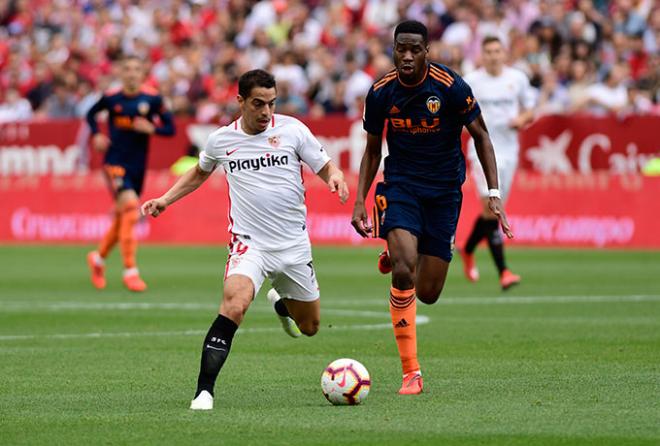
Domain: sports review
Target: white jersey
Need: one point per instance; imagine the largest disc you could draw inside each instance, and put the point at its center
(264, 173)
(501, 99)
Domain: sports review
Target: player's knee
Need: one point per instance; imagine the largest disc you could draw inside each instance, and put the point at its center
(234, 307)
(429, 296)
(310, 327)
(403, 275)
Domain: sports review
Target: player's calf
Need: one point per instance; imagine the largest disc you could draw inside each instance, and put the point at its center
(237, 297)
(431, 275)
(307, 315)
(428, 295)
(309, 327)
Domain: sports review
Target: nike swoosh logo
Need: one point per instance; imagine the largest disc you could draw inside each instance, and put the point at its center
(216, 348)
(229, 152)
(343, 379)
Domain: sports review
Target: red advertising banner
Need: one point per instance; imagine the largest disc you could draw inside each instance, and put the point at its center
(581, 144)
(553, 144)
(597, 210)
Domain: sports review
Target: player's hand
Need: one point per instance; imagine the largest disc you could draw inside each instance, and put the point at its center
(143, 125)
(495, 205)
(360, 221)
(100, 142)
(336, 183)
(517, 123)
(154, 207)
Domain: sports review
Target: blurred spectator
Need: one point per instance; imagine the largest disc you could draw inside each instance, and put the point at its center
(62, 104)
(609, 96)
(88, 97)
(288, 70)
(40, 86)
(639, 99)
(14, 107)
(626, 19)
(289, 102)
(553, 97)
(579, 83)
(357, 84)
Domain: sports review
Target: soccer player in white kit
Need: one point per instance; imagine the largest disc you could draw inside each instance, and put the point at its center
(506, 99)
(261, 154)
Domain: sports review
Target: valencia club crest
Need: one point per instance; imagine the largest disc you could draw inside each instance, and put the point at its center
(433, 104)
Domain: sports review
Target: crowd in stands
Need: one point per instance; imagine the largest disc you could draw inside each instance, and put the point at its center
(58, 56)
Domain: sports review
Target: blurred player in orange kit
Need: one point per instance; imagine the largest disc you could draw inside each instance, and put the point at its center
(135, 113)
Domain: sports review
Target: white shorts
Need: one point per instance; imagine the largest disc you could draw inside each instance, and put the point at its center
(506, 169)
(290, 271)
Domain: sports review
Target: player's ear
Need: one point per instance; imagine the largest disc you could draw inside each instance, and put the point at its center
(240, 99)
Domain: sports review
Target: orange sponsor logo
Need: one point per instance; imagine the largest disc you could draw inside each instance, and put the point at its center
(424, 125)
(123, 122)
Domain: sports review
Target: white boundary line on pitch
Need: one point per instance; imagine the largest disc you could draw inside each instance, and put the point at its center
(495, 300)
(420, 319)
(513, 300)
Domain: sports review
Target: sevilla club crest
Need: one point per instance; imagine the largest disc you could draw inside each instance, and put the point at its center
(274, 141)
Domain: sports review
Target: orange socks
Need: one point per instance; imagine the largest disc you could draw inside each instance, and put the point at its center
(403, 309)
(127, 242)
(110, 238)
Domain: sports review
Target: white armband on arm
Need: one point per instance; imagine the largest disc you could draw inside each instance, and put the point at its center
(494, 193)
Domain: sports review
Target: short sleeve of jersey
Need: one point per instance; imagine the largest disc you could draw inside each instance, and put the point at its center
(463, 100)
(207, 160)
(373, 119)
(310, 150)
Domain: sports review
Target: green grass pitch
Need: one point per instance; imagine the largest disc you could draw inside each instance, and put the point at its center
(570, 357)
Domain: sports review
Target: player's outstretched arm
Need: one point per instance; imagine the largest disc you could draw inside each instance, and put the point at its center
(484, 146)
(190, 181)
(334, 178)
(368, 170)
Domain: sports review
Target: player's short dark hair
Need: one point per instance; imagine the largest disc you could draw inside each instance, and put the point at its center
(253, 79)
(490, 39)
(412, 27)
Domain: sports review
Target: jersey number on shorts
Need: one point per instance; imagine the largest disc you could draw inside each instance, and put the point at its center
(379, 213)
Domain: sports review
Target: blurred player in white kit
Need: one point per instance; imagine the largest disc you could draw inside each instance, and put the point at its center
(262, 155)
(507, 100)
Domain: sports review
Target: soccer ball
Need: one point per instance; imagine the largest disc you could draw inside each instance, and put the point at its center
(345, 382)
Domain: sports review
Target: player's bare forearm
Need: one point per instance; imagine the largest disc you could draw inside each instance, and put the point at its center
(485, 151)
(369, 166)
(368, 169)
(188, 183)
(334, 178)
(524, 118)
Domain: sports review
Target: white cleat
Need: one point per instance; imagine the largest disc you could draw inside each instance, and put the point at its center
(289, 325)
(204, 401)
